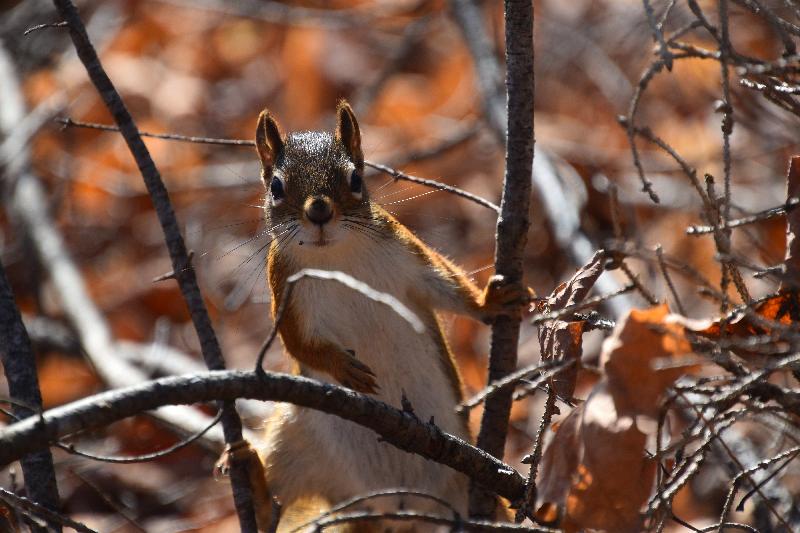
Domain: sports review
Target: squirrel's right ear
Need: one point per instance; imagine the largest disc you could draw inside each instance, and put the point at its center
(269, 142)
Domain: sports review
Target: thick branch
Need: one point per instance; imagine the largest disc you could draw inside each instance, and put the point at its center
(396, 427)
(16, 353)
(23, 385)
(181, 265)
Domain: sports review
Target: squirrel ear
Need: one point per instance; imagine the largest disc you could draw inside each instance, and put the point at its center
(348, 133)
(269, 142)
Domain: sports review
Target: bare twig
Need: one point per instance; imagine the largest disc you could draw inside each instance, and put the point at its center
(658, 35)
(412, 516)
(637, 283)
(574, 308)
(766, 214)
(374, 495)
(68, 122)
(547, 369)
(668, 279)
(143, 458)
(535, 456)
(38, 27)
(29, 506)
(396, 174)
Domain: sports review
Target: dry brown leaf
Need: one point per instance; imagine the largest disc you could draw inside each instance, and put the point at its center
(766, 318)
(643, 338)
(594, 472)
(561, 339)
(781, 309)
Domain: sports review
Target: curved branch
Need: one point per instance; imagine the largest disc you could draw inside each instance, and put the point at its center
(394, 426)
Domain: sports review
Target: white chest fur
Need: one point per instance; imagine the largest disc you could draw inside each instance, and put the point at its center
(405, 363)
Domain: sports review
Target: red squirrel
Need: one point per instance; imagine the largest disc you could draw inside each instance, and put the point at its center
(320, 216)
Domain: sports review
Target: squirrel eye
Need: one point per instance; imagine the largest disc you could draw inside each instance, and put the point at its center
(276, 188)
(355, 182)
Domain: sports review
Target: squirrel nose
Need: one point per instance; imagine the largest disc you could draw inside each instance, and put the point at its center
(318, 210)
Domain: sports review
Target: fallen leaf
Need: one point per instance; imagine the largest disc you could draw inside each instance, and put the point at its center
(594, 472)
(768, 318)
(643, 338)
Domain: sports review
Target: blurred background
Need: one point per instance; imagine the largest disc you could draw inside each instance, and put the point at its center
(206, 68)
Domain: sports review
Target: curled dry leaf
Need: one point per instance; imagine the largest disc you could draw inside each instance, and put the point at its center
(767, 317)
(561, 339)
(594, 472)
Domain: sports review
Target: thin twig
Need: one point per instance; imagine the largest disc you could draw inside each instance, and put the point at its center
(548, 369)
(665, 273)
(536, 455)
(143, 458)
(373, 495)
(658, 35)
(30, 506)
(586, 304)
(412, 516)
(766, 214)
(396, 174)
(38, 27)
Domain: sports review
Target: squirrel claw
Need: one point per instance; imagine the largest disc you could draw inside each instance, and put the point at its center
(502, 297)
(355, 375)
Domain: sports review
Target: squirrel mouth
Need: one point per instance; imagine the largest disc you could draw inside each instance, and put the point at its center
(321, 240)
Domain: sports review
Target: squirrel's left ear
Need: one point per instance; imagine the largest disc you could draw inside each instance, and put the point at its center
(348, 133)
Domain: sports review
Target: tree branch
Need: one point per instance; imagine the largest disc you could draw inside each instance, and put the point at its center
(394, 426)
(23, 385)
(16, 353)
(512, 230)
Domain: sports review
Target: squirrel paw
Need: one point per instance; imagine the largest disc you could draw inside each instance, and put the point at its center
(354, 374)
(501, 297)
(241, 451)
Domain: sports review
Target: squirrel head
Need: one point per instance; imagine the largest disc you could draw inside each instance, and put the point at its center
(314, 180)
